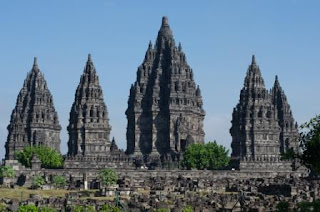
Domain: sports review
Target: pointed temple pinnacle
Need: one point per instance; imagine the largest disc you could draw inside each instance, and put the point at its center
(165, 21)
(276, 78)
(180, 47)
(89, 58)
(35, 61)
(150, 44)
(253, 60)
(35, 64)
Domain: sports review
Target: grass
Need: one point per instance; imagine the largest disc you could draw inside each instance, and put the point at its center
(17, 193)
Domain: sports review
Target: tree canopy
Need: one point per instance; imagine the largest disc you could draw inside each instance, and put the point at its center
(206, 156)
(49, 158)
(309, 151)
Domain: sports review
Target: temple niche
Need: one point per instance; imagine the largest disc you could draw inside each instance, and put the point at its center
(165, 111)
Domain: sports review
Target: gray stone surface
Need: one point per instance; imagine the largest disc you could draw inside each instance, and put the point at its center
(165, 111)
(262, 124)
(34, 120)
(89, 128)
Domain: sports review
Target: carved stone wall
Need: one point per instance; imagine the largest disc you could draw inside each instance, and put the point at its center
(262, 124)
(34, 120)
(89, 128)
(165, 105)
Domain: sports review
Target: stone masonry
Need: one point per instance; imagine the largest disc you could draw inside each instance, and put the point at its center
(165, 111)
(262, 124)
(89, 128)
(34, 120)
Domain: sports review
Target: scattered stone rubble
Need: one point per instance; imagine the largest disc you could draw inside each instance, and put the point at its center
(205, 192)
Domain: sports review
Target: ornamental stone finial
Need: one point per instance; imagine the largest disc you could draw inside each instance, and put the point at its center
(165, 21)
(35, 61)
(253, 60)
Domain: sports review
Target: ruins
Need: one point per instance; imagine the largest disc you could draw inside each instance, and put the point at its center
(165, 114)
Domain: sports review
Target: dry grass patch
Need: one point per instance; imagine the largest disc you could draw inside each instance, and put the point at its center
(24, 193)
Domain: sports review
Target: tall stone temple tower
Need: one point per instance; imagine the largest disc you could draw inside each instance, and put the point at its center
(262, 123)
(34, 120)
(289, 133)
(165, 111)
(89, 128)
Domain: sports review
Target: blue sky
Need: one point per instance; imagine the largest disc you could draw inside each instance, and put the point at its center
(218, 38)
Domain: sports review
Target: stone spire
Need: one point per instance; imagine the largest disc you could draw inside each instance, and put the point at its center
(89, 128)
(289, 131)
(165, 105)
(34, 120)
(255, 130)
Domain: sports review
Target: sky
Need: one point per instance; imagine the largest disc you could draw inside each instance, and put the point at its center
(218, 38)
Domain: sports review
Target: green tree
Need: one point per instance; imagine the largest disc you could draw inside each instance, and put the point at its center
(28, 208)
(309, 152)
(206, 156)
(310, 143)
(37, 181)
(217, 155)
(49, 157)
(109, 208)
(59, 181)
(108, 177)
(7, 171)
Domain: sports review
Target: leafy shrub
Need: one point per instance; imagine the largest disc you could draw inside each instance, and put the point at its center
(49, 158)
(7, 171)
(28, 208)
(37, 181)
(47, 209)
(109, 208)
(188, 209)
(161, 210)
(78, 208)
(3, 208)
(108, 177)
(59, 181)
(206, 156)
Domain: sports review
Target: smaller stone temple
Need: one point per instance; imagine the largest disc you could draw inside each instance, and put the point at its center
(89, 144)
(165, 109)
(89, 129)
(262, 124)
(34, 120)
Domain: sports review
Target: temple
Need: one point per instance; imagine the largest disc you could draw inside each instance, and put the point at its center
(165, 114)
(89, 129)
(262, 124)
(34, 120)
(89, 144)
(165, 111)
